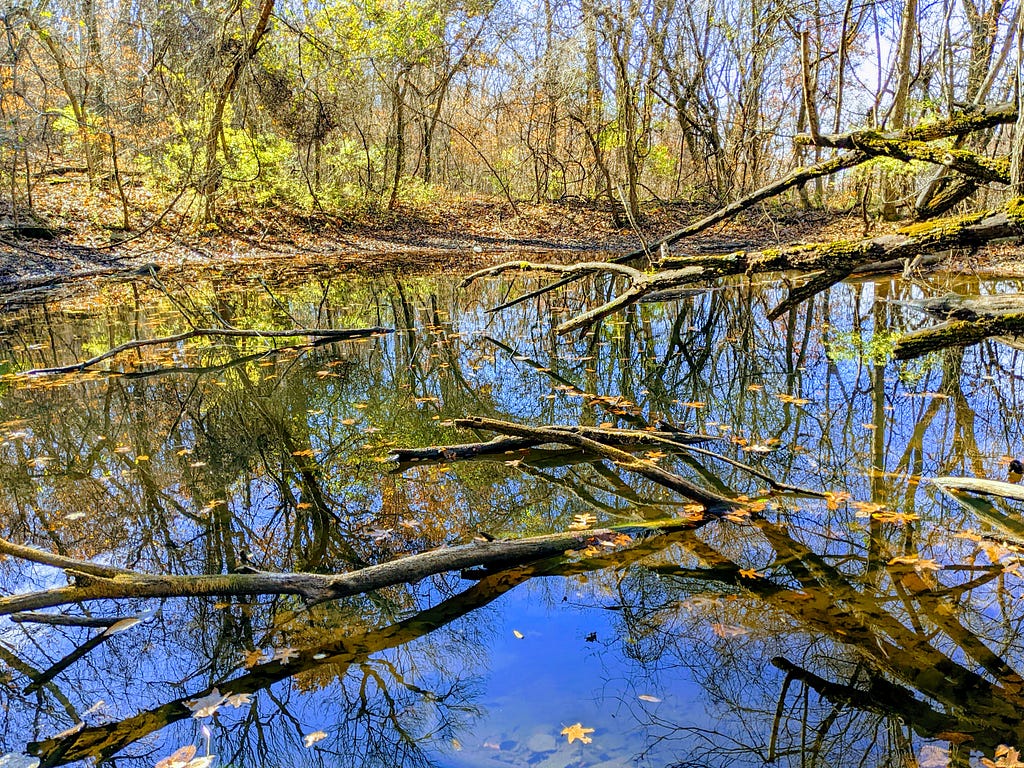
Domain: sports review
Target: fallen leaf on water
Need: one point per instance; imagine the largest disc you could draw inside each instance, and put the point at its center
(312, 738)
(206, 705)
(577, 731)
(645, 697)
(582, 522)
(70, 731)
(724, 630)
(285, 655)
(252, 658)
(131, 621)
(179, 758)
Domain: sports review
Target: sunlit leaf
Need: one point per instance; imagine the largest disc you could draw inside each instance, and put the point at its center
(70, 731)
(239, 700)
(519, 635)
(646, 697)
(582, 522)
(179, 758)
(577, 731)
(725, 630)
(129, 622)
(312, 738)
(252, 658)
(285, 655)
(206, 705)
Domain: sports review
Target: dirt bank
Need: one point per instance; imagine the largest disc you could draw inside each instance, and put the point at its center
(71, 244)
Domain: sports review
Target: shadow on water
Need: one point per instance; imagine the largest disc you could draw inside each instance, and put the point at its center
(876, 624)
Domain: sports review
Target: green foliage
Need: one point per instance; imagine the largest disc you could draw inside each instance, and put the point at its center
(877, 349)
(851, 345)
(260, 166)
(662, 161)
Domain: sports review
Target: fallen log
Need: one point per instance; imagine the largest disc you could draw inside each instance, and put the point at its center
(835, 260)
(623, 459)
(968, 320)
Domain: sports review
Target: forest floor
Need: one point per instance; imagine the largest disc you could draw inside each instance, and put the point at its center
(457, 237)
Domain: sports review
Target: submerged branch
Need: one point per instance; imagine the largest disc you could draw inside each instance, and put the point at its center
(337, 334)
(625, 460)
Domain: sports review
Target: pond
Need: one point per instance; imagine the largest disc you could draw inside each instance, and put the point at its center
(876, 622)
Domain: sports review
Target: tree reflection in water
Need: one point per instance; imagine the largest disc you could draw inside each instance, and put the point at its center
(877, 625)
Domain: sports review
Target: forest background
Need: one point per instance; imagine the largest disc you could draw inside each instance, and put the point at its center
(181, 114)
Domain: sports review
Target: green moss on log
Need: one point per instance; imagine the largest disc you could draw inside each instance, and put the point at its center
(940, 230)
(1015, 210)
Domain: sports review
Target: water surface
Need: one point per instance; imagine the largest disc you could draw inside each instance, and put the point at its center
(873, 626)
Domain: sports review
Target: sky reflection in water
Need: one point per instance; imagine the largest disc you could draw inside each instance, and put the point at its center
(194, 456)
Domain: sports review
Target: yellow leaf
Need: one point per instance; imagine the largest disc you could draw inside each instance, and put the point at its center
(645, 697)
(519, 635)
(252, 658)
(577, 732)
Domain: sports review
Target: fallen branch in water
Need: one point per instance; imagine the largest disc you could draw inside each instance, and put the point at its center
(968, 320)
(622, 438)
(833, 261)
(98, 583)
(627, 461)
(335, 334)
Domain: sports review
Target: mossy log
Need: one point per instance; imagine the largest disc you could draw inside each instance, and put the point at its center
(834, 260)
(968, 320)
(960, 124)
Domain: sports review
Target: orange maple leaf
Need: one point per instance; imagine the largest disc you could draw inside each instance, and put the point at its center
(577, 732)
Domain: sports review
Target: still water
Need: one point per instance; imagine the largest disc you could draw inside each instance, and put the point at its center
(876, 625)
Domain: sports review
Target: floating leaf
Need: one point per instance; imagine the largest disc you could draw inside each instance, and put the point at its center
(646, 697)
(582, 522)
(179, 758)
(252, 658)
(206, 705)
(239, 700)
(312, 738)
(577, 731)
(71, 731)
(129, 622)
(285, 655)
